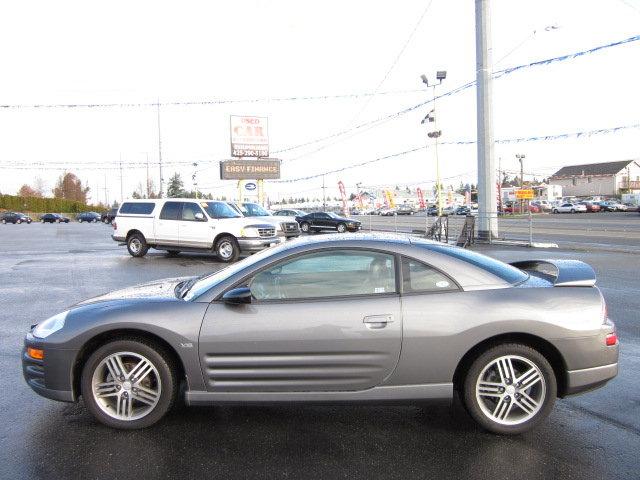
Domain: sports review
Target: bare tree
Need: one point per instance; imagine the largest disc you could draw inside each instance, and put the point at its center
(69, 187)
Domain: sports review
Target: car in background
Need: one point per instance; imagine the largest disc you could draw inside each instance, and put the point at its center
(285, 226)
(109, 216)
(289, 212)
(592, 207)
(432, 211)
(543, 205)
(570, 208)
(612, 206)
(316, 221)
(387, 212)
(189, 225)
(405, 209)
(337, 319)
(88, 217)
(15, 217)
(53, 218)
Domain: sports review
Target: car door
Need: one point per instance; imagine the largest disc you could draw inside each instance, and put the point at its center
(167, 224)
(323, 321)
(323, 220)
(195, 229)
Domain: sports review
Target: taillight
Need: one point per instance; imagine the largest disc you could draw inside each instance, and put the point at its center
(113, 224)
(611, 339)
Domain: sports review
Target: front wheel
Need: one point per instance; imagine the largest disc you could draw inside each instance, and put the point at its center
(137, 245)
(573, 210)
(342, 228)
(509, 389)
(227, 249)
(79, 220)
(129, 383)
(4, 221)
(555, 210)
(304, 226)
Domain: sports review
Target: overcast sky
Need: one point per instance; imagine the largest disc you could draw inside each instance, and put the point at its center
(136, 52)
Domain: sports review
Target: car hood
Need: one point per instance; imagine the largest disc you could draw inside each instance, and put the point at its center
(163, 288)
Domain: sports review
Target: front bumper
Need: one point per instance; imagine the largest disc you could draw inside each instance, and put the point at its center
(590, 378)
(50, 377)
(252, 245)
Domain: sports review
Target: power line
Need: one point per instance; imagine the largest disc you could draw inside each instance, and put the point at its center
(394, 63)
(496, 74)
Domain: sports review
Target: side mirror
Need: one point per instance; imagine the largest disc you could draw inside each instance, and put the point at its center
(237, 296)
(200, 217)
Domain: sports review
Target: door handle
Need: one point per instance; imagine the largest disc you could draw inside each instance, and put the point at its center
(377, 321)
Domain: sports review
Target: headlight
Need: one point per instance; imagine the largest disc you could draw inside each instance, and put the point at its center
(49, 326)
(249, 232)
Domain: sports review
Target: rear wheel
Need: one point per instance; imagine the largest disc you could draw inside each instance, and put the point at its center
(509, 389)
(227, 249)
(137, 245)
(555, 210)
(573, 210)
(18, 221)
(79, 220)
(129, 383)
(4, 221)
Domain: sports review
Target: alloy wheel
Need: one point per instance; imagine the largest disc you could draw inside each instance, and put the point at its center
(225, 249)
(511, 390)
(126, 386)
(135, 245)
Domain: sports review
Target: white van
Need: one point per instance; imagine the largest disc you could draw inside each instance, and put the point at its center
(186, 224)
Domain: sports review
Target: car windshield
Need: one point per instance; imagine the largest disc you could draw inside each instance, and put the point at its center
(254, 210)
(219, 210)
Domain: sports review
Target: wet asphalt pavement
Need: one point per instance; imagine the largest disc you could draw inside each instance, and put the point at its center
(45, 268)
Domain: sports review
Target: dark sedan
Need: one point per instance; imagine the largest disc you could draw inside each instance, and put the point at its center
(53, 218)
(14, 217)
(89, 217)
(314, 222)
(107, 217)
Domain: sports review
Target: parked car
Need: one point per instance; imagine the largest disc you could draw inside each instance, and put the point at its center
(314, 222)
(285, 226)
(89, 217)
(405, 209)
(289, 212)
(592, 207)
(570, 208)
(543, 205)
(341, 319)
(15, 217)
(387, 212)
(53, 218)
(185, 224)
(108, 216)
(612, 206)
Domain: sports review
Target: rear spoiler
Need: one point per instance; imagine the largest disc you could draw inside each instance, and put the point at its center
(563, 273)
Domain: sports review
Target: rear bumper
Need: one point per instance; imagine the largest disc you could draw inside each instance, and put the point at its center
(590, 378)
(251, 245)
(117, 238)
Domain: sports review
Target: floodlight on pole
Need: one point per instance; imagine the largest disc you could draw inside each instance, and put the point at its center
(435, 134)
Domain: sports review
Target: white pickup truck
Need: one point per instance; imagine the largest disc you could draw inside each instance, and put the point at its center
(187, 224)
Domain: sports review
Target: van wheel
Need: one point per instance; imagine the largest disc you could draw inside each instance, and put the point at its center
(227, 249)
(137, 245)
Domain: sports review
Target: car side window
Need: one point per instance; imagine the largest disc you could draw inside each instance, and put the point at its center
(171, 211)
(189, 211)
(419, 277)
(335, 273)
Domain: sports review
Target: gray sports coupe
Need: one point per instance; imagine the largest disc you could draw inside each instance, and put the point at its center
(359, 318)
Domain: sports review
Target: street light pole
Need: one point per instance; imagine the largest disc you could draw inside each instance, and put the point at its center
(435, 134)
(520, 158)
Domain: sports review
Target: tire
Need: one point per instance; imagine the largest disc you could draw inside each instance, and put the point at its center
(79, 220)
(227, 249)
(304, 226)
(18, 221)
(57, 220)
(144, 407)
(137, 245)
(173, 253)
(41, 221)
(573, 210)
(341, 228)
(4, 221)
(94, 220)
(521, 409)
(555, 210)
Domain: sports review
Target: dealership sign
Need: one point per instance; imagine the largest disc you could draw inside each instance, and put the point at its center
(250, 186)
(254, 169)
(249, 136)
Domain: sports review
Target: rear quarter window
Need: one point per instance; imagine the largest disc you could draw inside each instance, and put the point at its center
(502, 270)
(137, 208)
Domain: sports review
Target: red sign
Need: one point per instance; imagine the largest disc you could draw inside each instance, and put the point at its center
(420, 197)
(249, 136)
(343, 193)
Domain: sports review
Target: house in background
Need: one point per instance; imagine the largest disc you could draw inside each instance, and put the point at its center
(607, 179)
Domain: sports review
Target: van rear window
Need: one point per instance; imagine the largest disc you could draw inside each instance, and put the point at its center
(137, 208)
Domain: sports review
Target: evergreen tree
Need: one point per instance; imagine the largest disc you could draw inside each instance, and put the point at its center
(175, 188)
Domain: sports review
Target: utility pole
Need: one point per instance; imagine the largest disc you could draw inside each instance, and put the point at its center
(159, 150)
(193, 177)
(487, 218)
(121, 189)
(148, 184)
(500, 184)
(520, 158)
(324, 197)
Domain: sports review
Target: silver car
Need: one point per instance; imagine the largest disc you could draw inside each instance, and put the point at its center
(356, 318)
